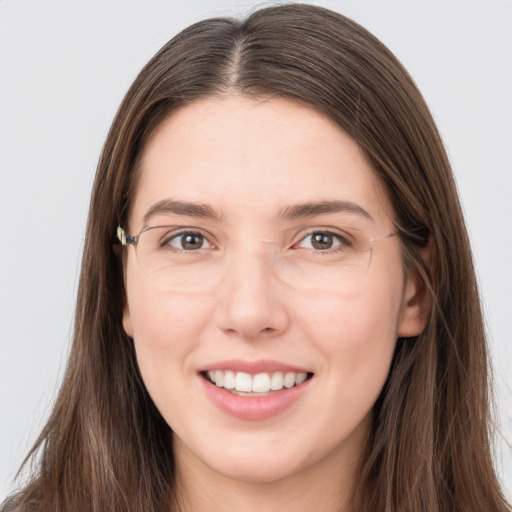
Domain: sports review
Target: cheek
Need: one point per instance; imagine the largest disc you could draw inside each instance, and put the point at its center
(166, 330)
(366, 316)
(158, 318)
(356, 334)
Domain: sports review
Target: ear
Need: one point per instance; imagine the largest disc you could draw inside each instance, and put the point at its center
(127, 321)
(416, 303)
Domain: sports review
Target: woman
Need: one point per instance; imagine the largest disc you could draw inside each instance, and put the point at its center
(277, 305)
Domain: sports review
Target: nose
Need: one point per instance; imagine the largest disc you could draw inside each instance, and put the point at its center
(252, 301)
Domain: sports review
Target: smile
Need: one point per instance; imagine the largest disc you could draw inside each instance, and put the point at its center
(247, 384)
(255, 391)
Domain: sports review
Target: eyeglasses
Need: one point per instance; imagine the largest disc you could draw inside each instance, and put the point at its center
(185, 258)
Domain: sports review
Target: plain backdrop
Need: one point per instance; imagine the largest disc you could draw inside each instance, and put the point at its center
(64, 68)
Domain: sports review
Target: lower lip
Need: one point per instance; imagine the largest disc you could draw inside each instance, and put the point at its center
(254, 408)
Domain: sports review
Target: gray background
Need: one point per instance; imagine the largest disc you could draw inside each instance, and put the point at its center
(64, 67)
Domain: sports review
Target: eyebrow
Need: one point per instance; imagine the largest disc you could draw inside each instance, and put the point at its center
(186, 208)
(314, 209)
(304, 210)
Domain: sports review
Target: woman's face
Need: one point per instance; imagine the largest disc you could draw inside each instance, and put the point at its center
(278, 266)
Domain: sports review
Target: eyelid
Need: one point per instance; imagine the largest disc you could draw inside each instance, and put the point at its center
(342, 241)
(338, 232)
(347, 231)
(178, 231)
(183, 235)
(343, 235)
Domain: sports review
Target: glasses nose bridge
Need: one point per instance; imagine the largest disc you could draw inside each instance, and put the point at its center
(251, 274)
(250, 302)
(252, 258)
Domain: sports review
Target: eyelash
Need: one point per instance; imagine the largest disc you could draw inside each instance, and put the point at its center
(166, 242)
(342, 241)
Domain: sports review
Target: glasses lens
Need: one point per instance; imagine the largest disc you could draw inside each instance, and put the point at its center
(188, 261)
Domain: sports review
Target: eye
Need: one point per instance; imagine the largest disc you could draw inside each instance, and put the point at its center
(323, 241)
(188, 241)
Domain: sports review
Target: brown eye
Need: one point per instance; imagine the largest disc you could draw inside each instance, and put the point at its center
(188, 241)
(322, 241)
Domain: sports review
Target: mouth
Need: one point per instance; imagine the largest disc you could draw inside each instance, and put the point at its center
(256, 390)
(259, 384)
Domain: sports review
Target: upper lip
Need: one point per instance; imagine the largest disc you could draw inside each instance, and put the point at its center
(254, 366)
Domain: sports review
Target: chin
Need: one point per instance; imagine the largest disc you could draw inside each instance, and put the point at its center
(256, 471)
(248, 459)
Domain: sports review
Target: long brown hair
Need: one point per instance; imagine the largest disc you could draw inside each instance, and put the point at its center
(106, 447)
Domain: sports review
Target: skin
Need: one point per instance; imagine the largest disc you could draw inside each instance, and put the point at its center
(248, 160)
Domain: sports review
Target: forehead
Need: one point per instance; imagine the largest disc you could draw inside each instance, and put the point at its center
(244, 156)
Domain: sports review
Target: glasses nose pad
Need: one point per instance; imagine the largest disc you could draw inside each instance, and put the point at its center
(266, 241)
(270, 249)
(268, 246)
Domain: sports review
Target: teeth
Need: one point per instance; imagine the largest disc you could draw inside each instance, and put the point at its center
(259, 383)
(229, 379)
(276, 382)
(289, 380)
(300, 378)
(219, 378)
(243, 382)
